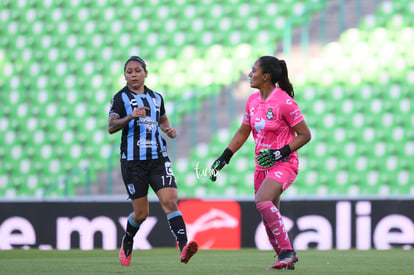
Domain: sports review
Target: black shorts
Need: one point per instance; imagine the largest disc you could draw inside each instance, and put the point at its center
(138, 175)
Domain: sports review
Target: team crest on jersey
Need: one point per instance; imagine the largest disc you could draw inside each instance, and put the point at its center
(269, 114)
(131, 189)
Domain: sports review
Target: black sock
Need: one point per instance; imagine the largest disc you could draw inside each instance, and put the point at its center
(177, 226)
(131, 228)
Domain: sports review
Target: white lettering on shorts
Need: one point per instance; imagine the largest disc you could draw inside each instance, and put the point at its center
(278, 174)
(168, 168)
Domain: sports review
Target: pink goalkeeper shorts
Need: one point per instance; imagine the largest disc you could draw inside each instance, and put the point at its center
(284, 172)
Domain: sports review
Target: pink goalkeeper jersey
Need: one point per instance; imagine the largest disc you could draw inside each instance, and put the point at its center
(272, 120)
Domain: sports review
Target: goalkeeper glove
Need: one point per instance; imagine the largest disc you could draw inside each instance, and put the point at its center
(219, 163)
(268, 157)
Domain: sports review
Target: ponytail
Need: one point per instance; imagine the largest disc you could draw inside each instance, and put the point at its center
(278, 73)
(284, 82)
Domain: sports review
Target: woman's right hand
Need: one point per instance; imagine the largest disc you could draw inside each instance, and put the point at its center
(139, 112)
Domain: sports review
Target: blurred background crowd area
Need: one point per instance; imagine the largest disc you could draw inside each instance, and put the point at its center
(61, 61)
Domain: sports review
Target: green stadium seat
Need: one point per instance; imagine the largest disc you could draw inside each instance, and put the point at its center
(245, 186)
(402, 185)
(39, 32)
(190, 183)
(307, 182)
(371, 183)
(4, 184)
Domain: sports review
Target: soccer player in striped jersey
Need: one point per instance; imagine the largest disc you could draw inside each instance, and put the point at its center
(279, 130)
(140, 113)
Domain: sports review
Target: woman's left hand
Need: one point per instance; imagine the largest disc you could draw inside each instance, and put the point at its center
(171, 133)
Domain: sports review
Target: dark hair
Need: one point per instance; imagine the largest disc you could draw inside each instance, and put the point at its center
(278, 73)
(136, 58)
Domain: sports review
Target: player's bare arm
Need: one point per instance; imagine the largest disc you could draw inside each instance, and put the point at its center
(239, 137)
(115, 123)
(303, 136)
(165, 126)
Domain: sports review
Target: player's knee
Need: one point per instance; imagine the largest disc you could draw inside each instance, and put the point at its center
(169, 206)
(259, 197)
(258, 200)
(141, 215)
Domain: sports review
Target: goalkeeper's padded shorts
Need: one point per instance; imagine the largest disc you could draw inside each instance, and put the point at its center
(284, 171)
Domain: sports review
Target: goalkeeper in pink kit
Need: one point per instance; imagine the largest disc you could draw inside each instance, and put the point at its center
(279, 130)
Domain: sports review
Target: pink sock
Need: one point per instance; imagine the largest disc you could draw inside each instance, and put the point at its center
(272, 239)
(274, 220)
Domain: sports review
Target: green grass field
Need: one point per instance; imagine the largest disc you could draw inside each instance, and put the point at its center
(165, 261)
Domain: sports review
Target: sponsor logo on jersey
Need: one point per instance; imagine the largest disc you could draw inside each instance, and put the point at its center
(246, 116)
(261, 144)
(251, 111)
(146, 143)
(148, 123)
(296, 113)
(133, 103)
(259, 124)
